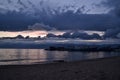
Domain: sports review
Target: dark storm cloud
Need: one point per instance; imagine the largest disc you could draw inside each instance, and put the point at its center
(112, 33)
(72, 21)
(15, 22)
(114, 5)
(76, 34)
(63, 21)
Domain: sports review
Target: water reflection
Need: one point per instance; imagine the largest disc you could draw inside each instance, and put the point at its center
(29, 56)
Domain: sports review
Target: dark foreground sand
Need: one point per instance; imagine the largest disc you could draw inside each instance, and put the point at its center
(99, 69)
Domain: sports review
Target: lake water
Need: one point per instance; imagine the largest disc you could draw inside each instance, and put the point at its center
(32, 56)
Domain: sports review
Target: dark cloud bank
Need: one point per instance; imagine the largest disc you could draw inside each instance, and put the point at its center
(115, 10)
(64, 21)
(16, 21)
(114, 5)
(75, 34)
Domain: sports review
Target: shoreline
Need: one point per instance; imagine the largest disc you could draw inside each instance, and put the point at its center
(66, 43)
(60, 62)
(95, 69)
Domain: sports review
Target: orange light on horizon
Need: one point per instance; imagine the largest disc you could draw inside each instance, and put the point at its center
(23, 33)
(29, 33)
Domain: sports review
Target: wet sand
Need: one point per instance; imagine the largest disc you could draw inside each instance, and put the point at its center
(97, 69)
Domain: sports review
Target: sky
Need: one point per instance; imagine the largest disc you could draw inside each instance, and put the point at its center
(33, 5)
(19, 16)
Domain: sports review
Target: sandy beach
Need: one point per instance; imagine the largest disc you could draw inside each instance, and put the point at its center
(97, 69)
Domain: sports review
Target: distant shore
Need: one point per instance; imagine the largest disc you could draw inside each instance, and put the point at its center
(96, 69)
(62, 44)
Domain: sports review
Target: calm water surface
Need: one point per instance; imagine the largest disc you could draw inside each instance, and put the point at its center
(31, 56)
